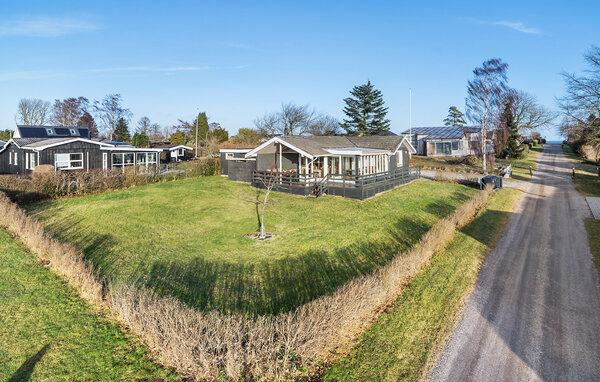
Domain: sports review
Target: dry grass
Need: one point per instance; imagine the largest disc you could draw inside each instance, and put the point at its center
(213, 345)
(64, 259)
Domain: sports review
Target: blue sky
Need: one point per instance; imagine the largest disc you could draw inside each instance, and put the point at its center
(238, 60)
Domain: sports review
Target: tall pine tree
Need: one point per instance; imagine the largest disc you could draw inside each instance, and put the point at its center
(513, 147)
(455, 117)
(121, 133)
(366, 112)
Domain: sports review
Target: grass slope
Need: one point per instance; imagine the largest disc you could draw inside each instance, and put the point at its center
(405, 337)
(586, 178)
(187, 238)
(48, 334)
(592, 227)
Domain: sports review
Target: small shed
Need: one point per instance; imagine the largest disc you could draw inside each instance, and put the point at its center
(236, 166)
(174, 153)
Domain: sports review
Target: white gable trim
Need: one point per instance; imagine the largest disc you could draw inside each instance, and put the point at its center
(8, 143)
(40, 148)
(408, 145)
(281, 141)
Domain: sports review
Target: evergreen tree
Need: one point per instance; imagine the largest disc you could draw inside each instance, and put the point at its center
(366, 112)
(513, 147)
(455, 117)
(178, 138)
(121, 133)
(86, 120)
(220, 134)
(203, 129)
(140, 140)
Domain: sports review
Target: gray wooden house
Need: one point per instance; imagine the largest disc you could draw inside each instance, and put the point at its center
(69, 149)
(356, 167)
(445, 140)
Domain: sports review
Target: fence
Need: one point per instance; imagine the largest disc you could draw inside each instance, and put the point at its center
(349, 186)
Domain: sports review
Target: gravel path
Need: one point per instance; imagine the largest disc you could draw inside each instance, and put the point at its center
(535, 311)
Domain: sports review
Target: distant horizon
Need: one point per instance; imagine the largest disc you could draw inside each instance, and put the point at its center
(168, 62)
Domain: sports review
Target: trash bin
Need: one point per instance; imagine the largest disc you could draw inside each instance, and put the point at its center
(494, 180)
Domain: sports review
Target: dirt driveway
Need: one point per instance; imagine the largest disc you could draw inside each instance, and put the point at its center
(535, 311)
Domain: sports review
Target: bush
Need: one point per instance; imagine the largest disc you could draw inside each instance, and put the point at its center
(45, 184)
(470, 160)
(525, 148)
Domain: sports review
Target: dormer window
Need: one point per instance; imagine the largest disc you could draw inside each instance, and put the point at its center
(49, 131)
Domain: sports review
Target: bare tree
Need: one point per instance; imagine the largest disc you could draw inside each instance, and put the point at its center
(143, 125)
(268, 184)
(296, 120)
(69, 111)
(485, 97)
(109, 111)
(154, 132)
(324, 125)
(267, 125)
(528, 114)
(32, 112)
(581, 104)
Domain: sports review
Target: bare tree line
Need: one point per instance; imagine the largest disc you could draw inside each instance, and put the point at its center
(295, 119)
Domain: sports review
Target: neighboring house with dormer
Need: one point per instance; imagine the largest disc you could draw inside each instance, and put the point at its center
(69, 148)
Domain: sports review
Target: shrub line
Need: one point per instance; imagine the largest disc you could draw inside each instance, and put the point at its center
(212, 345)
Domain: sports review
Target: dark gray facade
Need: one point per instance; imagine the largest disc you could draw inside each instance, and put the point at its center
(85, 156)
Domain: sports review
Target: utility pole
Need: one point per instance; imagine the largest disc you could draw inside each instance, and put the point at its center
(197, 118)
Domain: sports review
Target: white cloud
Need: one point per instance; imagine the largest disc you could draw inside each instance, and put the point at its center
(45, 27)
(514, 25)
(518, 26)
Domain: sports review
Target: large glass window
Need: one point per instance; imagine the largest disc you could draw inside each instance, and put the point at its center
(140, 158)
(117, 159)
(128, 159)
(68, 161)
(444, 148)
(454, 146)
(151, 157)
(31, 161)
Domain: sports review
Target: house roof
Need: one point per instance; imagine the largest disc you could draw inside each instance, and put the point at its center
(170, 146)
(323, 145)
(23, 131)
(443, 132)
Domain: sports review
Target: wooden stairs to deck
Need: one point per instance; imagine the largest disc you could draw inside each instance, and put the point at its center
(321, 187)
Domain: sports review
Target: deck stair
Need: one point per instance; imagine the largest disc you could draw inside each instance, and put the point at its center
(321, 187)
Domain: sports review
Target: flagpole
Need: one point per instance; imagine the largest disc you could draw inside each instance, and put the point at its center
(410, 113)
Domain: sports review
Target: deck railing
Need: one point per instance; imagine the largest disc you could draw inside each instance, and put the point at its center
(351, 186)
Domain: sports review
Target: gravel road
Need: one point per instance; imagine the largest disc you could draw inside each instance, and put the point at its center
(535, 312)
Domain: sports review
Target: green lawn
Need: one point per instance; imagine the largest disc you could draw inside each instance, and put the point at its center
(405, 338)
(586, 178)
(47, 333)
(187, 238)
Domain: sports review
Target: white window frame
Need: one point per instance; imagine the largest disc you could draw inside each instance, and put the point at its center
(10, 157)
(73, 132)
(399, 159)
(229, 156)
(70, 162)
(32, 161)
(181, 152)
(105, 161)
(49, 131)
(26, 161)
(16, 158)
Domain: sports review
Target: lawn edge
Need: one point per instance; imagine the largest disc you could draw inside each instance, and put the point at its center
(176, 347)
(458, 312)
